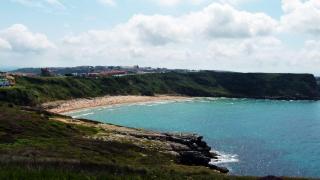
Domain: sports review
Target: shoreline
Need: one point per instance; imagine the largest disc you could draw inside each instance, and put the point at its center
(190, 149)
(66, 106)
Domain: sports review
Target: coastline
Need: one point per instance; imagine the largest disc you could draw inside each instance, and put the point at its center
(190, 149)
(65, 106)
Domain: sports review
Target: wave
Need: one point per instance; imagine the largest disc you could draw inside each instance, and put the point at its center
(82, 115)
(224, 158)
(162, 102)
(77, 111)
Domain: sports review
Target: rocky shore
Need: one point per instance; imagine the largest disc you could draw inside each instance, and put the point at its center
(188, 149)
(197, 153)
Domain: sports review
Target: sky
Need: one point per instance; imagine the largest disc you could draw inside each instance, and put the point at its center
(233, 35)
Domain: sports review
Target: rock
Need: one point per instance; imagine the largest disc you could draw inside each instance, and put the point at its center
(173, 153)
(194, 158)
(214, 155)
(179, 147)
(189, 148)
(199, 139)
(217, 168)
(202, 144)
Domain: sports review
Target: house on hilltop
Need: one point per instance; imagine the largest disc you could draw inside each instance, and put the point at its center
(3, 74)
(46, 72)
(6, 80)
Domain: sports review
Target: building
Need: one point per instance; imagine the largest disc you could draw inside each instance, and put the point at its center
(107, 73)
(113, 73)
(12, 80)
(23, 74)
(3, 74)
(46, 72)
(6, 80)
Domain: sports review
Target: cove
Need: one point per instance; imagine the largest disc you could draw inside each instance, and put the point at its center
(255, 137)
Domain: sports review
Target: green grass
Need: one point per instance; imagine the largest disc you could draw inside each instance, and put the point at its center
(32, 91)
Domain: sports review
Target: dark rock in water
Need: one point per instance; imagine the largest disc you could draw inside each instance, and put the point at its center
(202, 144)
(199, 139)
(270, 178)
(214, 155)
(194, 158)
(190, 149)
(217, 168)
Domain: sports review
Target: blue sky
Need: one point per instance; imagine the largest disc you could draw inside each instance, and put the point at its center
(85, 15)
(238, 35)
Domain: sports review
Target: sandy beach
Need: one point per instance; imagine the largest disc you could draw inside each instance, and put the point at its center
(77, 104)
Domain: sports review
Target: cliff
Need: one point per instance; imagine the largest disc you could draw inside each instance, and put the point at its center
(33, 91)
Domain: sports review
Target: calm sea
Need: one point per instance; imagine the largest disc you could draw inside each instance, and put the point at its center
(255, 137)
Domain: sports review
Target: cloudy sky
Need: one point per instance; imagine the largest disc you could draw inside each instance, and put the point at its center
(236, 35)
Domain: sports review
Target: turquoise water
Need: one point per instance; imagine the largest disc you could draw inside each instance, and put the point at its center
(255, 137)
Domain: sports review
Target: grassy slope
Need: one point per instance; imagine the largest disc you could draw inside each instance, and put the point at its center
(33, 146)
(31, 91)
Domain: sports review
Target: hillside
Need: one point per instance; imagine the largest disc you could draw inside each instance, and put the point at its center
(32, 91)
(39, 145)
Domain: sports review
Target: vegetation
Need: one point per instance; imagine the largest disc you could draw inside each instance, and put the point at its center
(34, 146)
(32, 91)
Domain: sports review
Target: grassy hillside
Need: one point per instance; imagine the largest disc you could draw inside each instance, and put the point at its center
(31, 91)
(34, 145)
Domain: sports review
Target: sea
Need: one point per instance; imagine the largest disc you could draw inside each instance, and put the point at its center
(253, 137)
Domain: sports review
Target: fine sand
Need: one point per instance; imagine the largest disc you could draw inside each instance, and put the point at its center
(77, 104)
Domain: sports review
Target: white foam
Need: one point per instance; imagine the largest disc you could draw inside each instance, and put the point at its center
(224, 158)
(82, 115)
(155, 103)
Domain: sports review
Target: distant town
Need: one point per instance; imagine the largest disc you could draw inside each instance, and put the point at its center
(8, 78)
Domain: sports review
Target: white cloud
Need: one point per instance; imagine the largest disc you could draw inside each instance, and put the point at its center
(311, 52)
(301, 16)
(107, 2)
(4, 45)
(20, 39)
(168, 2)
(217, 37)
(225, 21)
(213, 22)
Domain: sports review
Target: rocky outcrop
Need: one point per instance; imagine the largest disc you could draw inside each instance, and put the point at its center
(198, 152)
(189, 149)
